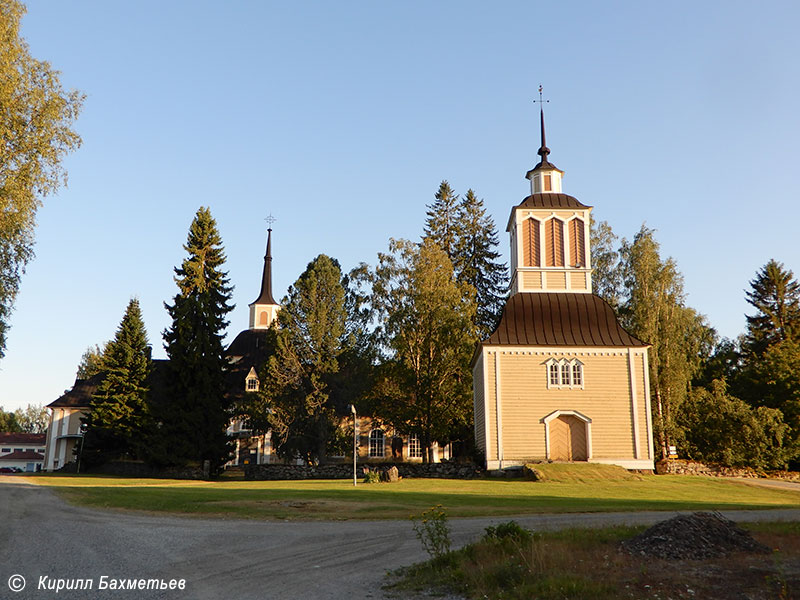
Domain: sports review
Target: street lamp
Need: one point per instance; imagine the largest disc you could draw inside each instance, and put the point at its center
(355, 446)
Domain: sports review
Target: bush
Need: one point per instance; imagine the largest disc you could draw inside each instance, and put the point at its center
(509, 530)
(372, 477)
(722, 429)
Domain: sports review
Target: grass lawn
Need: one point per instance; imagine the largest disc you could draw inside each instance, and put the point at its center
(561, 491)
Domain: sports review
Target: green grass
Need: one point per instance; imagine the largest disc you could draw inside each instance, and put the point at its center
(333, 500)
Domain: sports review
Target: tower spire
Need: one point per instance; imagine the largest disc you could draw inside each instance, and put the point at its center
(544, 177)
(264, 308)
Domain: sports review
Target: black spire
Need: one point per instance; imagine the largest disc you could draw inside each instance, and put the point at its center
(543, 151)
(266, 279)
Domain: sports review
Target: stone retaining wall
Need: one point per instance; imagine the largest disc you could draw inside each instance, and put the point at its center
(443, 470)
(690, 467)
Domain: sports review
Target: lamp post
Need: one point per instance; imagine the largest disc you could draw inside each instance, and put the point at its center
(355, 446)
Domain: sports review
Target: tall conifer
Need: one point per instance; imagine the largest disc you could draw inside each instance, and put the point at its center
(775, 293)
(118, 421)
(195, 413)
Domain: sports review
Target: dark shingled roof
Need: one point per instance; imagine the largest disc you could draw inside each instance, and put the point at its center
(80, 396)
(23, 438)
(250, 349)
(559, 319)
(22, 455)
(551, 200)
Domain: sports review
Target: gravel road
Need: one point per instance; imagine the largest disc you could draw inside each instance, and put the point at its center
(41, 536)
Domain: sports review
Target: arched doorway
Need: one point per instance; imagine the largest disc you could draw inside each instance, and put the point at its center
(568, 436)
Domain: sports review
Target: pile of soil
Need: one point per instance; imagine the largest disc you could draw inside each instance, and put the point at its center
(697, 536)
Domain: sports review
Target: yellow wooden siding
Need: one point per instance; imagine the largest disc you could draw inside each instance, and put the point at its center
(532, 280)
(556, 280)
(525, 400)
(641, 401)
(577, 281)
(491, 446)
(478, 401)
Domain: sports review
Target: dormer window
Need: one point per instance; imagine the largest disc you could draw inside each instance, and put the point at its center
(564, 374)
(251, 381)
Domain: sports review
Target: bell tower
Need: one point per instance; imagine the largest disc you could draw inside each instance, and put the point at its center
(549, 230)
(264, 309)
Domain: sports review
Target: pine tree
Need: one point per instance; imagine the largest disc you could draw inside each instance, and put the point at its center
(299, 398)
(477, 264)
(118, 421)
(195, 414)
(443, 222)
(775, 294)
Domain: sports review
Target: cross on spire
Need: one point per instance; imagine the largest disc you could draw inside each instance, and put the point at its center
(543, 149)
(270, 220)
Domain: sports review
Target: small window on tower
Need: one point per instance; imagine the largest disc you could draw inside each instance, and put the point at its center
(251, 384)
(554, 374)
(548, 183)
(263, 318)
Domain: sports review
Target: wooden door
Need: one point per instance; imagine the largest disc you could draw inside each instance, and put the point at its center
(568, 439)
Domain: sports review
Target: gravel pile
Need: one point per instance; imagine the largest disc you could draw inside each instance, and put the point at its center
(697, 536)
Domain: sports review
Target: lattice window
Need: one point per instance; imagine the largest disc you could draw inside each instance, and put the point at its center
(564, 373)
(414, 446)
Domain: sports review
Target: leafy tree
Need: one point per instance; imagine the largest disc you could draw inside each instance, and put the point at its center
(477, 262)
(299, 404)
(36, 125)
(654, 310)
(33, 419)
(720, 428)
(8, 422)
(606, 273)
(118, 422)
(91, 362)
(194, 417)
(775, 293)
(428, 337)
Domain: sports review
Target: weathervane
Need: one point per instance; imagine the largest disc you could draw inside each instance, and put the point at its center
(270, 220)
(541, 100)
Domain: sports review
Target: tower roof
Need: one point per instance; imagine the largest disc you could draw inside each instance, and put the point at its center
(559, 319)
(266, 279)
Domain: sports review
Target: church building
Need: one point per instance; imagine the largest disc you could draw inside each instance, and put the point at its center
(559, 379)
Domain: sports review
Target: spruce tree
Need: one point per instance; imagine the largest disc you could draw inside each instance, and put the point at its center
(300, 398)
(477, 265)
(118, 421)
(775, 293)
(195, 413)
(442, 225)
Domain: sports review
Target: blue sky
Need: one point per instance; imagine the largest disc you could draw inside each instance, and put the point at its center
(341, 119)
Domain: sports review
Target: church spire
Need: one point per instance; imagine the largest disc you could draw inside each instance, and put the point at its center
(264, 308)
(266, 278)
(544, 177)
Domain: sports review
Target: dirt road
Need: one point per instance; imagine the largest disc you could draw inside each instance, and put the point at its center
(43, 537)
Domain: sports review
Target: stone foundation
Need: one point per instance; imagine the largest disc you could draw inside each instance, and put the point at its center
(690, 467)
(442, 470)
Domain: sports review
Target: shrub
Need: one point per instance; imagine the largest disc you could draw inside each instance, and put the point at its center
(433, 531)
(509, 530)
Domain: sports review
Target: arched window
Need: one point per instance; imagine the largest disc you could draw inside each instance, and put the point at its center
(564, 373)
(554, 243)
(530, 243)
(577, 248)
(376, 443)
(263, 318)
